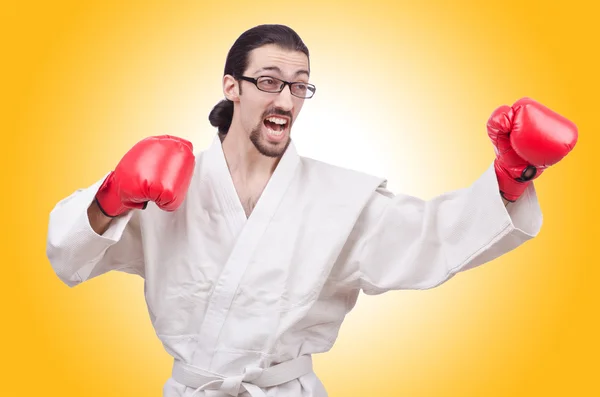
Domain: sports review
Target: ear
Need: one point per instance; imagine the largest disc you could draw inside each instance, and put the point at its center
(230, 88)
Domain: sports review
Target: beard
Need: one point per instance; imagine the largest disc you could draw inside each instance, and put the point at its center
(274, 150)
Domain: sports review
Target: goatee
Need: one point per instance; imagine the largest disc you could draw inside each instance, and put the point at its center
(265, 148)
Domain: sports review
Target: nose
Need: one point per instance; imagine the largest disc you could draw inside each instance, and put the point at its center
(285, 99)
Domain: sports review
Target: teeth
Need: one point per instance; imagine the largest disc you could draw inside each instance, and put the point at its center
(273, 132)
(277, 120)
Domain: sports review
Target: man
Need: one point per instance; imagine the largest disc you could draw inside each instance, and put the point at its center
(252, 255)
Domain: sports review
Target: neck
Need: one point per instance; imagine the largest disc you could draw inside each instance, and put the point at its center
(245, 162)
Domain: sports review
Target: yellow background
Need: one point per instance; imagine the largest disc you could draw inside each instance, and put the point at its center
(404, 91)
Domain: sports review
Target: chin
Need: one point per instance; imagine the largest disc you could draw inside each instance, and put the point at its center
(269, 148)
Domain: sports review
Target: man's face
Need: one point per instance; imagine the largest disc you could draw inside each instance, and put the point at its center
(268, 117)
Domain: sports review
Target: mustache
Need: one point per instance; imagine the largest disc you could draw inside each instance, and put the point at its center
(277, 112)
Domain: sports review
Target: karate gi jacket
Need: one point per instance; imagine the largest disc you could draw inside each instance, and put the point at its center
(230, 296)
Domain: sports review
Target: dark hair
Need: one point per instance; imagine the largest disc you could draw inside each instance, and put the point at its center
(237, 62)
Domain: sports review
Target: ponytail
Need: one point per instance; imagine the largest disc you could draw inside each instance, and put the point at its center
(221, 116)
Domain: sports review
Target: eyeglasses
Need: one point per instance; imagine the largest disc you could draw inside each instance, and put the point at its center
(275, 85)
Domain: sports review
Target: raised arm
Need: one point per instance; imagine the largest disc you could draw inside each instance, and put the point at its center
(97, 229)
(410, 243)
(402, 242)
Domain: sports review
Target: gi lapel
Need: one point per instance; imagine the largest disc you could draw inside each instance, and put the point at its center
(224, 190)
(251, 232)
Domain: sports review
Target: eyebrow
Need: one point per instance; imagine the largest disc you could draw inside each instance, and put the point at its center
(276, 69)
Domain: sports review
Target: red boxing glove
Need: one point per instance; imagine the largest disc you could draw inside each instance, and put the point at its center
(157, 169)
(528, 138)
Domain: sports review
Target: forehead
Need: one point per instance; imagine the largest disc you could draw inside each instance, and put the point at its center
(289, 62)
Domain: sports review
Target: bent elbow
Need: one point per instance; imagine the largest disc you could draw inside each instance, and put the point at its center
(61, 262)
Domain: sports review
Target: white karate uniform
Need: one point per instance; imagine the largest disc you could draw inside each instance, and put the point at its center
(229, 296)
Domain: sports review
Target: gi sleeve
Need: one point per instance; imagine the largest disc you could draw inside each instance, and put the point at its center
(77, 253)
(410, 243)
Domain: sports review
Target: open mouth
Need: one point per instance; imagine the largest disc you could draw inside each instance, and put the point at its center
(276, 125)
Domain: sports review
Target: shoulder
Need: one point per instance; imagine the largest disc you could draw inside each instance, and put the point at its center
(320, 172)
(337, 187)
